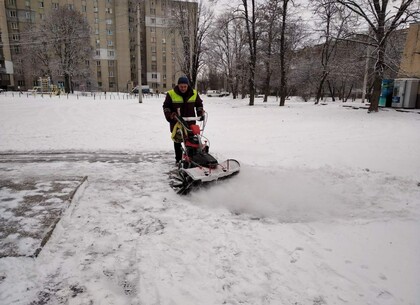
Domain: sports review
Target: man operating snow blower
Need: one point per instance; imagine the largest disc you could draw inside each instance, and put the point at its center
(195, 165)
(181, 101)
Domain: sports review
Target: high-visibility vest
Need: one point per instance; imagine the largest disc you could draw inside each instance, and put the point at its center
(176, 98)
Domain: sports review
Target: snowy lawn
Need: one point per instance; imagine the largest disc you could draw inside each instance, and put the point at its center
(325, 210)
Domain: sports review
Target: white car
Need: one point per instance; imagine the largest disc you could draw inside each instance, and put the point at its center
(216, 93)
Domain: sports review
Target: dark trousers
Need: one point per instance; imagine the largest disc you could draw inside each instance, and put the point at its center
(178, 151)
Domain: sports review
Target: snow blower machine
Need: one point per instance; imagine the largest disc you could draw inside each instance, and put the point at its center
(197, 167)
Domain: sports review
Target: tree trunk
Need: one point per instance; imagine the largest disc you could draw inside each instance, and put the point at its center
(250, 22)
(67, 83)
(320, 87)
(267, 81)
(348, 94)
(283, 77)
(378, 75)
(332, 90)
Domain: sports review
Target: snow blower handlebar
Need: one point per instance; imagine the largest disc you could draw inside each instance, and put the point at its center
(198, 118)
(183, 121)
(192, 118)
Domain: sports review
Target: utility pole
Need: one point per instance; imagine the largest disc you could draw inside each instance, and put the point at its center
(139, 54)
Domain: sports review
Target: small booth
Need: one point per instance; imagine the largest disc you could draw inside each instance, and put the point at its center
(405, 93)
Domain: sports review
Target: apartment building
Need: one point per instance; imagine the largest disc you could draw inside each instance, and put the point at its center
(114, 39)
(410, 62)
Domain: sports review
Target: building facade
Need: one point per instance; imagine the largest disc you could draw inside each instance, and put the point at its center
(410, 62)
(115, 28)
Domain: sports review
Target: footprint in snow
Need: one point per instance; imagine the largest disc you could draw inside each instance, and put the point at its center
(295, 256)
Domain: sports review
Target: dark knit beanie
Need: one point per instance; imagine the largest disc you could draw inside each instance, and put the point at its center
(183, 80)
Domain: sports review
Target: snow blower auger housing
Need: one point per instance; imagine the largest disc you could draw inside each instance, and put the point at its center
(197, 166)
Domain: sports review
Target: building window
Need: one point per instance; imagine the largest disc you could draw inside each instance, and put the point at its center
(164, 76)
(154, 67)
(110, 43)
(28, 15)
(111, 63)
(12, 14)
(108, 10)
(111, 53)
(15, 37)
(55, 6)
(109, 32)
(98, 63)
(153, 20)
(12, 2)
(163, 41)
(41, 3)
(98, 52)
(109, 21)
(111, 73)
(27, 3)
(99, 74)
(153, 39)
(152, 11)
(154, 75)
(152, 30)
(14, 25)
(84, 9)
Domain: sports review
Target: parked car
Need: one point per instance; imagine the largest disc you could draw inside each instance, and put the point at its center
(216, 93)
(143, 90)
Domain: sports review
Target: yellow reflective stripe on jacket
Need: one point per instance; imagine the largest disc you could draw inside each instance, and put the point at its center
(176, 98)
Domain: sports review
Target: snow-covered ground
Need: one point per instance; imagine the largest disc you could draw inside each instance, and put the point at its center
(325, 210)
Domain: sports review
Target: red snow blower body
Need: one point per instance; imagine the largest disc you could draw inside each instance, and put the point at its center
(197, 166)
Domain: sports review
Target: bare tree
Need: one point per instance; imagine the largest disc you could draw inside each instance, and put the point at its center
(283, 78)
(59, 47)
(334, 22)
(270, 30)
(250, 16)
(382, 20)
(193, 23)
(36, 56)
(346, 69)
(227, 45)
(68, 35)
